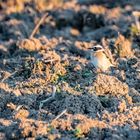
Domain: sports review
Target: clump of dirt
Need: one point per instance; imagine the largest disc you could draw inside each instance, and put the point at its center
(97, 9)
(21, 114)
(12, 4)
(30, 44)
(34, 44)
(77, 104)
(105, 84)
(123, 47)
(113, 15)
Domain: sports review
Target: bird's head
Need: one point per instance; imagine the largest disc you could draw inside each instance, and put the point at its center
(97, 48)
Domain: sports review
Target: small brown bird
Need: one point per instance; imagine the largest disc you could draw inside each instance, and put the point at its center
(100, 59)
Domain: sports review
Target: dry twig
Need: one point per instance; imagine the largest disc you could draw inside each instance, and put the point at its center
(8, 75)
(58, 116)
(38, 25)
(136, 15)
(48, 99)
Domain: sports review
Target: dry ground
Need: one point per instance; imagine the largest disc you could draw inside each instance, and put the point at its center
(49, 89)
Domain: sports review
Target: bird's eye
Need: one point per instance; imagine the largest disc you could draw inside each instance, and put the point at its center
(95, 49)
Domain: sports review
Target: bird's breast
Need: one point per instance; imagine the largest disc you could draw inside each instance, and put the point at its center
(99, 60)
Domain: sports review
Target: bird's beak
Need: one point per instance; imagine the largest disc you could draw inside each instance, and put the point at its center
(90, 48)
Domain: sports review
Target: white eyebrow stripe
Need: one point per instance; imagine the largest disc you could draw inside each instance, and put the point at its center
(99, 51)
(98, 46)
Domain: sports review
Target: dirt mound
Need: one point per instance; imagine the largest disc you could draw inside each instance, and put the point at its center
(87, 104)
(105, 84)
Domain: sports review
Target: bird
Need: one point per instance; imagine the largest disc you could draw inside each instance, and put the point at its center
(99, 58)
